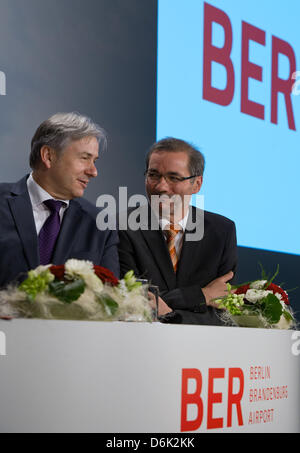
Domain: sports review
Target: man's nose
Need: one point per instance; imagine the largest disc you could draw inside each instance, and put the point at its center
(162, 185)
(92, 171)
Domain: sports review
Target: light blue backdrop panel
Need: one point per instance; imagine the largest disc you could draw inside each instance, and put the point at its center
(252, 165)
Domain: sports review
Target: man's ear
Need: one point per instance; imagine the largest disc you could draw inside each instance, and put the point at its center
(197, 184)
(48, 156)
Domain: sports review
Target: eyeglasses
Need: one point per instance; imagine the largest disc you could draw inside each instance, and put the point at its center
(155, 177)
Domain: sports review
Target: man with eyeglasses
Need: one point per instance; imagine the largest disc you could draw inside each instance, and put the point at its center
(191, 254)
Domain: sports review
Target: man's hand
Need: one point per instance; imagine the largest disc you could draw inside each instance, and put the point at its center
(163, 308)
(217, 288)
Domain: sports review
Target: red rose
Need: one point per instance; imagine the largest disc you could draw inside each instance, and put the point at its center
(276, 289)
(106, 275)
(58, 272)
(242, 289)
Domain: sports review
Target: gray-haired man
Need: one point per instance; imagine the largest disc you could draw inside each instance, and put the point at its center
(43, 217)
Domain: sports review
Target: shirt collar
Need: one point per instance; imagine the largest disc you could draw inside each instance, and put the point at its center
(37, 194)
(182, 223)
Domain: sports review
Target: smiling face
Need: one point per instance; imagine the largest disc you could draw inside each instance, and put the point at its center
(173, 164)
(65, 175)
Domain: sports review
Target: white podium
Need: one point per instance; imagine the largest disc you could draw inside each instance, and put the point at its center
(63, 376)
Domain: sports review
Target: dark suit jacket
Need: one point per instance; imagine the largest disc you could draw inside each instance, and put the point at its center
(78, 238)
(146, 252)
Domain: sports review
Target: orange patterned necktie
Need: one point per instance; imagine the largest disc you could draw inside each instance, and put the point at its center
(171, 234)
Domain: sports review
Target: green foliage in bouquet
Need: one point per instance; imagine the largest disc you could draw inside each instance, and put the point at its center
(260, 303)
(77, 290)
(67, 292)
(36, 283)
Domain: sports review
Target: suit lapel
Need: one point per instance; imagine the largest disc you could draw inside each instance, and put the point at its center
(159, 250)
(68, 234)
(191, 249)
(21, 209)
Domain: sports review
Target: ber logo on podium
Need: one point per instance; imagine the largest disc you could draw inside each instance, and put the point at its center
(232, 398)
(195, 399)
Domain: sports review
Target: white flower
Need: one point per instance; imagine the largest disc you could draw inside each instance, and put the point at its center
(254, 295)
(78, 268)
(42, 270)
(85, 270)
(93, 282)
(258, 284)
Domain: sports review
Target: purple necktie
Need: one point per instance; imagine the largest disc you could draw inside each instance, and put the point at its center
(50, 231)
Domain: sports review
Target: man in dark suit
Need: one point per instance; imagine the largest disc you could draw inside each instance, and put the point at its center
(190, 254)
(43, 218)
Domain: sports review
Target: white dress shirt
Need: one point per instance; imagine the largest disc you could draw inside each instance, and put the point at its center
(40, 211)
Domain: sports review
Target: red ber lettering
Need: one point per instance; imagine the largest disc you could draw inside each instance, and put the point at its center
(281, 85)
(213, 398)
(219, 55)
(191, 398)
(251, 70)
(235, 399)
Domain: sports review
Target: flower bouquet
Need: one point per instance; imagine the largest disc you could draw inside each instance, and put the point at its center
(260, 303)
(77, 290)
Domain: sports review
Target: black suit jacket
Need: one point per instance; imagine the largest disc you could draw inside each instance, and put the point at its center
(78, 238)
(146, 252)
